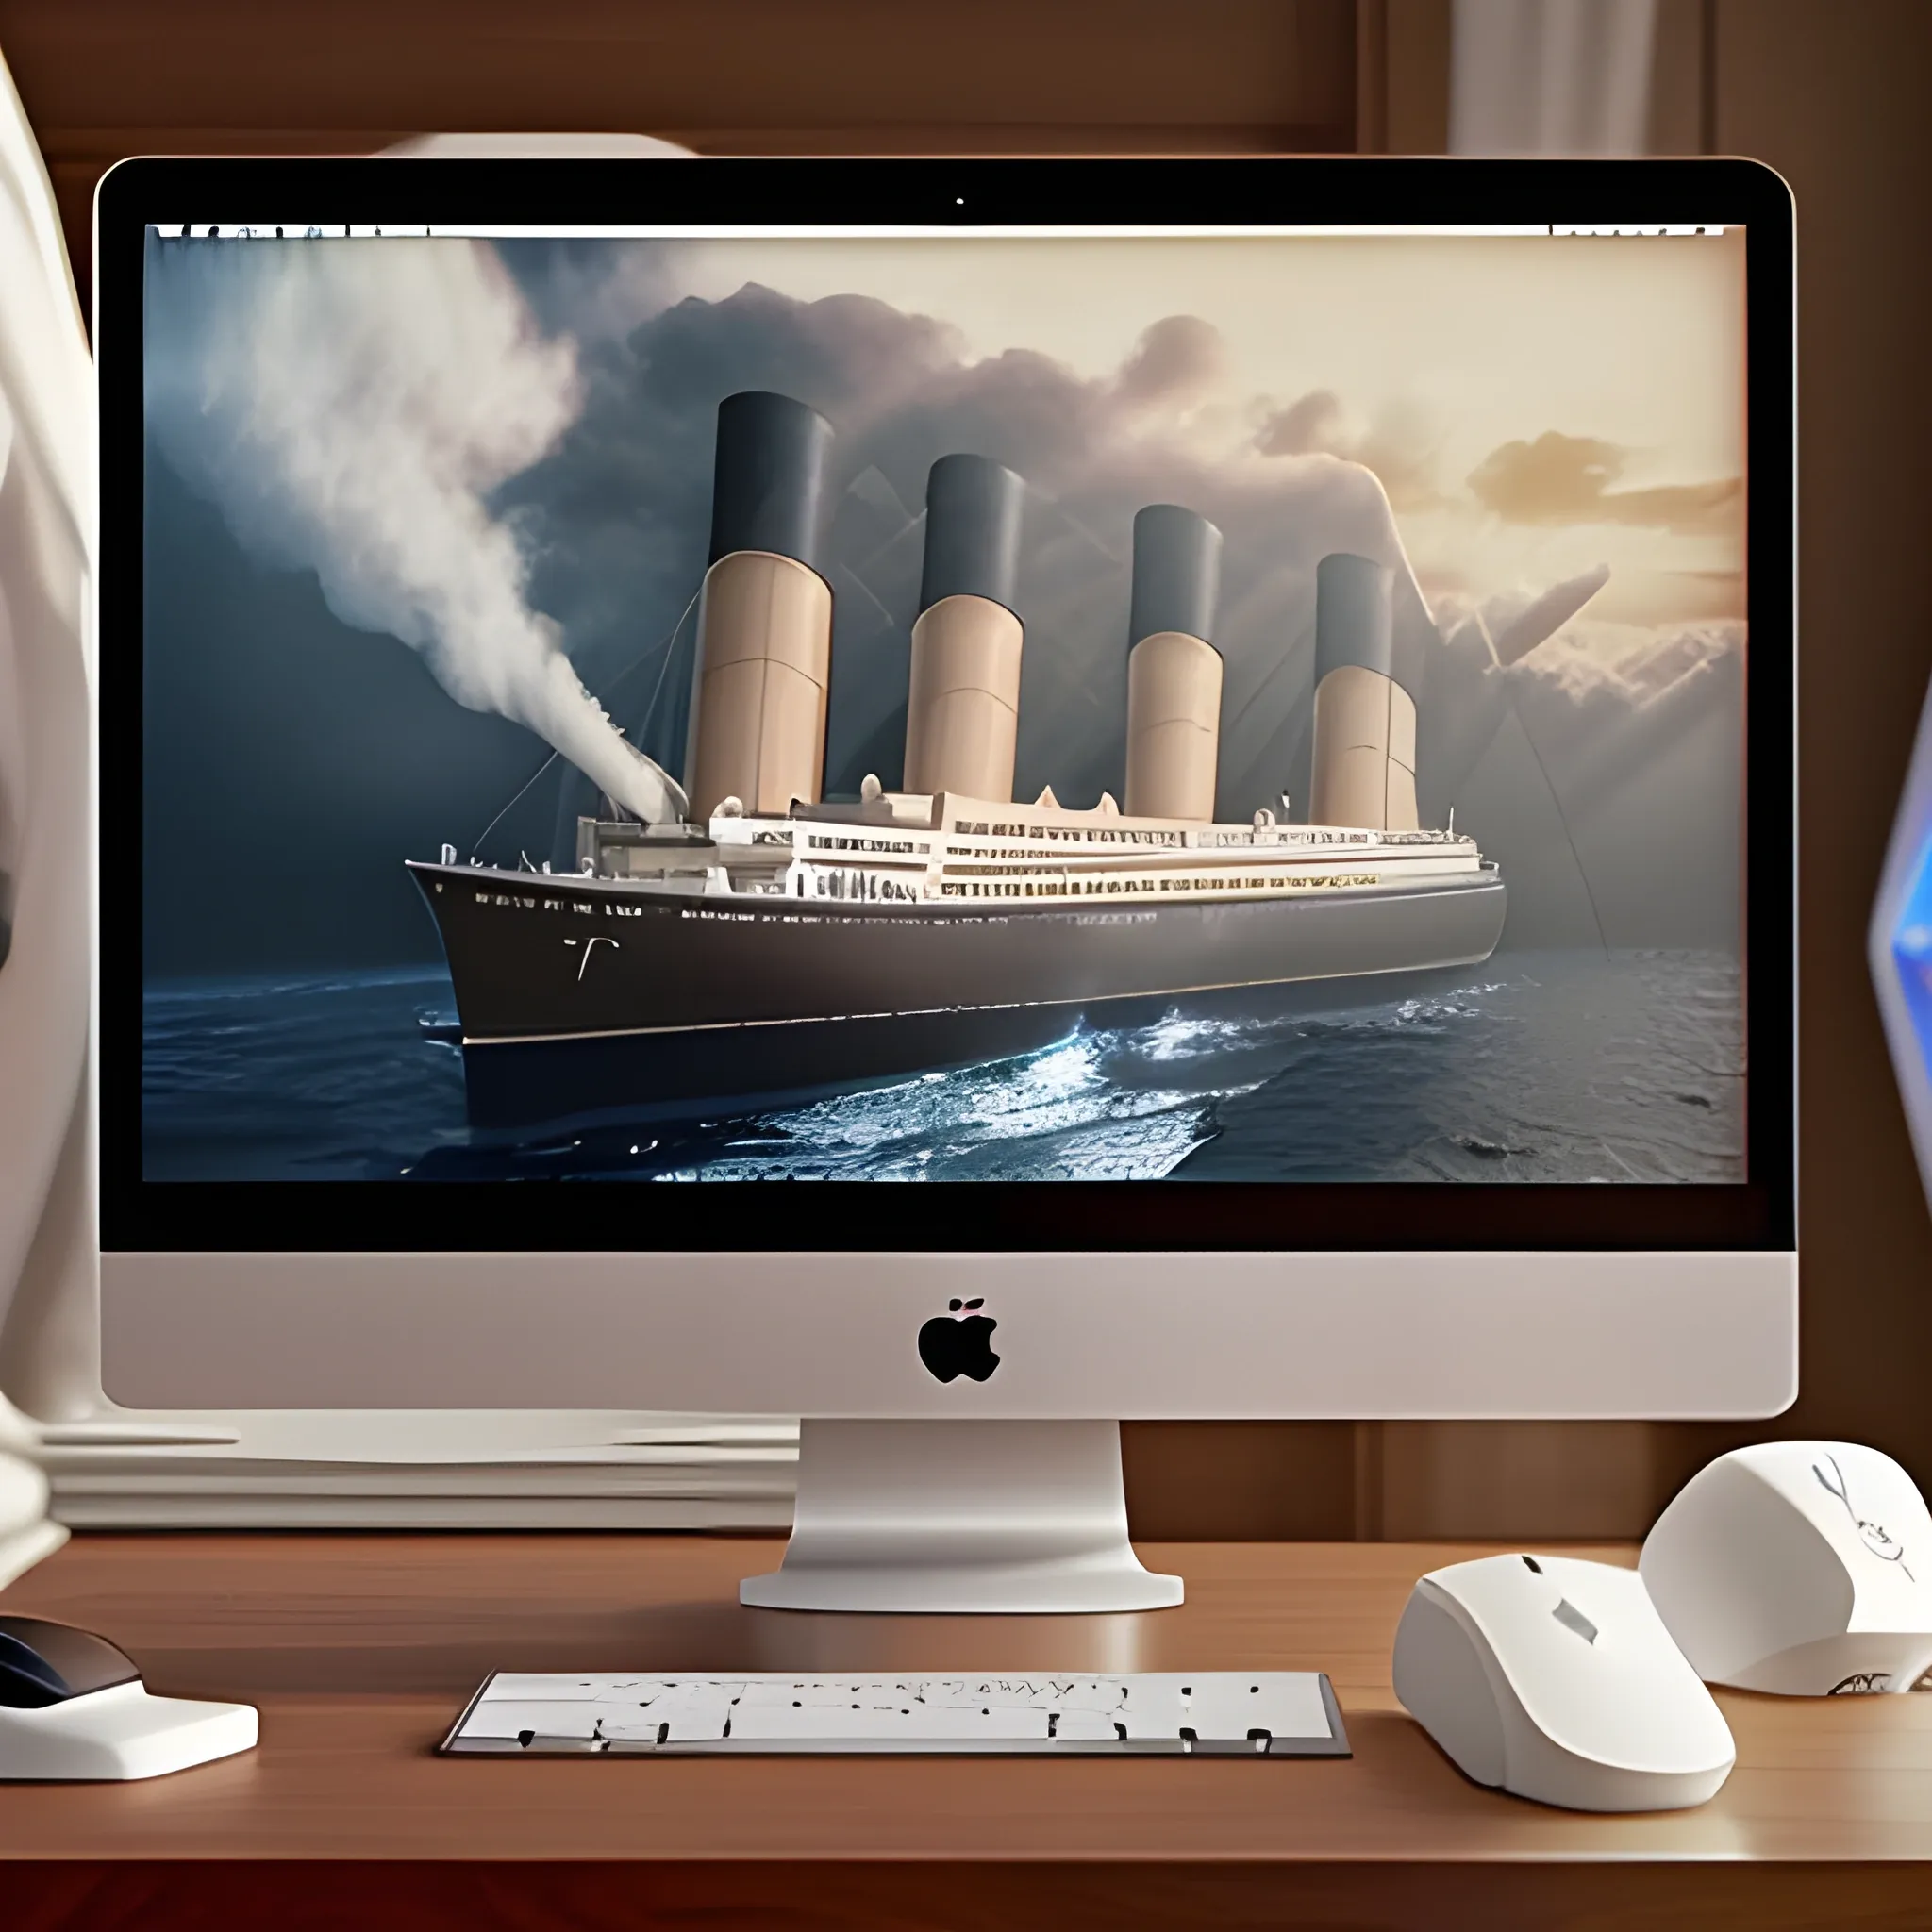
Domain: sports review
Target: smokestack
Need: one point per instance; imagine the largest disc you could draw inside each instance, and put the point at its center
(1174, 672)
(962, 717)
(1364, 759)
(757, 728)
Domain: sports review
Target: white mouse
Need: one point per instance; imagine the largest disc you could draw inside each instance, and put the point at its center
(1804, 1568)
(1556, 1679)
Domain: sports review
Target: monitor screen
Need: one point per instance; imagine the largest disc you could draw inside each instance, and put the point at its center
(1008, 704)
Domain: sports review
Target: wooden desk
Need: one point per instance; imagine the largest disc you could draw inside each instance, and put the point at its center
(359, 1650)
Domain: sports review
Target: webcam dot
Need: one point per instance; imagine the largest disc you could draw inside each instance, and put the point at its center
(958, 201)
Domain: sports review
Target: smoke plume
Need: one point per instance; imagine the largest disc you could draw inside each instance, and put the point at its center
(350, 407)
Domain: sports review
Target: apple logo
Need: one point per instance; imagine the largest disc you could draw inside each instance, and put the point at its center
(959, 1343)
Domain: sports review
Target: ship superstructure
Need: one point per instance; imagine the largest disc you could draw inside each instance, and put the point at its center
(913, 850)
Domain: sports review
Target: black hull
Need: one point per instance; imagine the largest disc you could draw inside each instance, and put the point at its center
(578, 997)
(645, 1078)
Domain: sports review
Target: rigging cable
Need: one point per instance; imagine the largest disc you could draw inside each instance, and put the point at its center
(650, 711)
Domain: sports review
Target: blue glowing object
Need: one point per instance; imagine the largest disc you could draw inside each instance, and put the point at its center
(1911, 954)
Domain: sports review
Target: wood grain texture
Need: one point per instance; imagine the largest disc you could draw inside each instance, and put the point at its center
(1415, 118)
(689, 64)
(983, 1896)
(359, 1651)
(102, 79)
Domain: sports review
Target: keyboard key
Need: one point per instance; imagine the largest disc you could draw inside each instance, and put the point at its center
(1077, 1726)
(1151, 1707)
(551, 1690)
(1227, 1708)
(1005, 1694)
(688, 1721)
(510, 1717)
(1105, 1694)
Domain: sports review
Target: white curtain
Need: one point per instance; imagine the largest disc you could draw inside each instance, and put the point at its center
(47, 831)
(1551, 77)
(49, 1263)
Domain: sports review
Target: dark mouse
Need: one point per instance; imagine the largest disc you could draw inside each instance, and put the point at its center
(43, 1663)
(73, 1707)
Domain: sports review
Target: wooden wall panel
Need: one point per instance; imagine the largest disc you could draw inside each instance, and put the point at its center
(1418, 57)
(1533, 1481)
(1402, 76)
(105, 79)
(1241, 1481)
(696, 67)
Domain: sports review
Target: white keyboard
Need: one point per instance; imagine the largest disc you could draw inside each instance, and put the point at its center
(1213, 1713)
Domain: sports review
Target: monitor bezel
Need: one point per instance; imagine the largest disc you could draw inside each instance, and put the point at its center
(1757, 1214)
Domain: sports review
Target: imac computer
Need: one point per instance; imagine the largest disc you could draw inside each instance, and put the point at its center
(1219, 734)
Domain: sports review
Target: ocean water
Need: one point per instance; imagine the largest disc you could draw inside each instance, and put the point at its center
(1580, 1066)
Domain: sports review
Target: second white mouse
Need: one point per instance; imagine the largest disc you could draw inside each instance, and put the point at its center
(1556, 1679)
(1802, 1568)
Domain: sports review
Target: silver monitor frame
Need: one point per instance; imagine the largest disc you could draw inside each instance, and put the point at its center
(1099, 1336)
(1085, 1339)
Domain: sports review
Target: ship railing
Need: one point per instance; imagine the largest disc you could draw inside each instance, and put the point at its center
(1281, 858)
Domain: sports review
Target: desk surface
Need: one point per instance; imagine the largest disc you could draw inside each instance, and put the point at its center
(360, 1649)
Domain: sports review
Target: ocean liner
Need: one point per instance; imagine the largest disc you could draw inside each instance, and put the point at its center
(765, 943)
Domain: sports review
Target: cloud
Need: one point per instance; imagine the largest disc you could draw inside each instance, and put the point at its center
(1178, 359)
(595, 289)
(351, 405)
(1672, 596)
(1513, 636)
(1398, 445)
(1310, 423)
(1568, 479)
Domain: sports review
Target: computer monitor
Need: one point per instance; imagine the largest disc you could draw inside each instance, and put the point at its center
(1189, 721)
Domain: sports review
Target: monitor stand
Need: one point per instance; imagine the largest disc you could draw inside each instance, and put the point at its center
(1006, 1518)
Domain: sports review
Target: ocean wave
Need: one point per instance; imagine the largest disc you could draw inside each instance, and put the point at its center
(1555, 1067)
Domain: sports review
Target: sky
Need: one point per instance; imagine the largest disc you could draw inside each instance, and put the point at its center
(1425, 356)
(420, 509)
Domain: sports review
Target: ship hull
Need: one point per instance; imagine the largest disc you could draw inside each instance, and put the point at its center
(581, 995)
